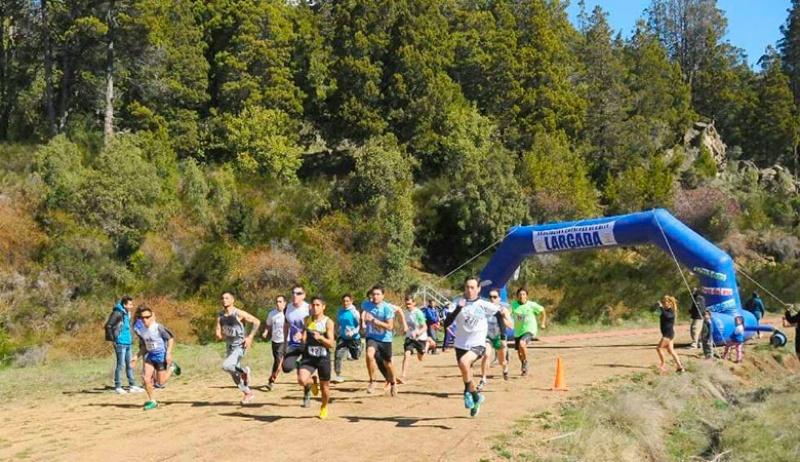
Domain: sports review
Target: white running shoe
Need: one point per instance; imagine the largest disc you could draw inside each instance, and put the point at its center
(135, 389)
(121, 391)
(338, 379)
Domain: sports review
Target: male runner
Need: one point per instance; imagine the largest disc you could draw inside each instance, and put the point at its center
(155, 345)
(230, 327)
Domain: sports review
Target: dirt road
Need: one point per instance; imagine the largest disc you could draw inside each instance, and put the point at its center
(202, 420)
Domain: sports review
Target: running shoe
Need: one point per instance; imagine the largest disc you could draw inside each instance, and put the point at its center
(477, 406)
(338, 379)
(524, 368)
(270, 385)
(468, 402)
(482, 383)
(150, 405)
(246, 376)
(371, 387)
(323, 412)
(248, 397)
(400, 380)
(120, 391)
(315, 388)
(307, 397)
(505, 373)
(176, 369)
(135, 389)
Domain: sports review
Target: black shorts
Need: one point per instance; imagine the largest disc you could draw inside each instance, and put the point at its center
(352, 345)
(478, 350)
(670, 334)
(411, 345)
(320, 364)
(278, 350)
(383, 350)
(527, 337)
(291, 358)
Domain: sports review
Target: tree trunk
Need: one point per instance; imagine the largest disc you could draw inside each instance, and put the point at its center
(48, 72)
(108, 126)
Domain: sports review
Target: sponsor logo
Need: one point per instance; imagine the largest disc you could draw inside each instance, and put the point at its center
(731, 303)
(709, 273)
(717, 291)
(575, 237)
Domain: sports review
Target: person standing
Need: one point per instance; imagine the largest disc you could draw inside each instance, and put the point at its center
(230, 327)
(155, 346)
(526, 326)
(118, 330)
(737, 340)
(348, 342)
(669, 311)
(495, 338)
(416, 336)
(756, 306)
(696, 313)
(470, 317)
(377, 318)
(295, 314)
(706, 336)
(318, 340)
(274, 331)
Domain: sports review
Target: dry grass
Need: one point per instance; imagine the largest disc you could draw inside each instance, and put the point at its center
(20, 236)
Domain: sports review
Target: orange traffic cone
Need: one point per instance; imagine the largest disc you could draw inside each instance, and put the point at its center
(560, 384)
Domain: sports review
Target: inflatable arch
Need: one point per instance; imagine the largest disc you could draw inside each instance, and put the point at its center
(713, 267)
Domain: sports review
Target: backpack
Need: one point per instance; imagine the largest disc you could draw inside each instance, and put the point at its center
(111, 325)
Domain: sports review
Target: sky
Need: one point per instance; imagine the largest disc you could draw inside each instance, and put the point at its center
(752, 24)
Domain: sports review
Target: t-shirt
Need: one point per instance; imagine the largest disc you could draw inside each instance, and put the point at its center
(348, 321)
(382, 312)
(495, 329)
(525, 317)
(295, 317)
(416, 319)
(232, 328)
(154, 339)
(275, 321)
(471, 324)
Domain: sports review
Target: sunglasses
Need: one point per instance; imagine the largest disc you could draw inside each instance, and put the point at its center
(494, 296)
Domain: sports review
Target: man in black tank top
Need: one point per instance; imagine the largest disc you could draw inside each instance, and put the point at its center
(230, 326)
(318, 340)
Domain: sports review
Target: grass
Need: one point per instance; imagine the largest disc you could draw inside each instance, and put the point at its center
(716, 411)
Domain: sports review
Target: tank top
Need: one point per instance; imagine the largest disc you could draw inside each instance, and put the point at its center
(315, 348)
(232, 328)
(154, 338)
(295, 317)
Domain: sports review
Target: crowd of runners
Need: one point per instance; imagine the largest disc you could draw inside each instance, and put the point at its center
(306, 342)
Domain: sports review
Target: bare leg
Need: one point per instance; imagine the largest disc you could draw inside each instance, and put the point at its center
(326, 392)
(147, 378)
(671, 350)
(371, 366)
(404, 371)
(485, 363)
(660, 356)
(465, 366)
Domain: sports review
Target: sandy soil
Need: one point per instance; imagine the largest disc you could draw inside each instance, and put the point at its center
(202, 420)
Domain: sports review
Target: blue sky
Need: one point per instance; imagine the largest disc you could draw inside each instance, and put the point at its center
(752, 24)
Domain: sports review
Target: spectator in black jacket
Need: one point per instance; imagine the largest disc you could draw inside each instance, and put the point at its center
(792, 316)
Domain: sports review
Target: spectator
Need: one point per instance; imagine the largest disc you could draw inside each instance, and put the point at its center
(756, 306)
(696, 313)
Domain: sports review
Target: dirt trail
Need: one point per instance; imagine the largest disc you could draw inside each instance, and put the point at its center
(202, 420)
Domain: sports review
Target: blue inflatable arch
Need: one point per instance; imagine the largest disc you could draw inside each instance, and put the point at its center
(713, 267)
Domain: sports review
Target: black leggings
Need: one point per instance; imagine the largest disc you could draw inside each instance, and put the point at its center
(278, 350)
(291, 358)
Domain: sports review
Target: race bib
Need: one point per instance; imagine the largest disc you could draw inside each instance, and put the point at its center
(317, 351)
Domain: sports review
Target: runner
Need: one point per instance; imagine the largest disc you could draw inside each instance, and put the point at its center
(495, 338)
(377, 317)
(295, 314)
(470, 317)
(348, 343)
(274, 331)
(416, 336)
(318, 340)
(526, 328)
(155, 345)
(431, 312)
(669, 311)
(230, 326)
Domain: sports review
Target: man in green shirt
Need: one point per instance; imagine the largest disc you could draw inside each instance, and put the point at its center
(526, 327)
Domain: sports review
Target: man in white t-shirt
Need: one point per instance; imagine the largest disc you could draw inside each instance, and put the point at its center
(416, 335)
(470, 336)
(274, 331)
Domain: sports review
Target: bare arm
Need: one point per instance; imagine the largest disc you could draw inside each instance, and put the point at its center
(399, 313)
(544, 319)
(267, 330)
(247, 317)
(218, 330)
(170, 345)
(327, 339)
